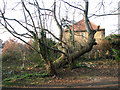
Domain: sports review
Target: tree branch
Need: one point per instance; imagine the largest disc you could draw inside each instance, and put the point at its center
(39, 7)
(19, 24)
(72, 5)
(19, 38)
(30, 17)
(59, 26)
(86, 17)
(104, 15)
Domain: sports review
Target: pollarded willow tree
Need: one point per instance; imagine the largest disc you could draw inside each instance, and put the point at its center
(36, 22)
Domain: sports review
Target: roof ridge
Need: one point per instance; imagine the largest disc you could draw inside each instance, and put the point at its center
(80, 26)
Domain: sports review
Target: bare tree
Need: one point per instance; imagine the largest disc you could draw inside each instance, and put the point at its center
(37, 25)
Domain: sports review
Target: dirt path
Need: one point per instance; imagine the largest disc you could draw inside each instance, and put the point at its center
(94, 82)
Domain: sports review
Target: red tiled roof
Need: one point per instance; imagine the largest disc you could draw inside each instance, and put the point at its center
(80, 26)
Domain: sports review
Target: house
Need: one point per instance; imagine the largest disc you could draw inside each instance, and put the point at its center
(80, 33)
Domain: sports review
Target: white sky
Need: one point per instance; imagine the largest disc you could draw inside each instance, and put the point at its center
(107, 22)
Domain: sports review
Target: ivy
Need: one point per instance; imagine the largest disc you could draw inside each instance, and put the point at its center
(116, 54)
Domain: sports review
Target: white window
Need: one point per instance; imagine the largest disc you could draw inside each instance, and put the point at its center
(83, 34)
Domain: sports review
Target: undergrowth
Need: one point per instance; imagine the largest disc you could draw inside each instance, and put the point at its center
(25, 76)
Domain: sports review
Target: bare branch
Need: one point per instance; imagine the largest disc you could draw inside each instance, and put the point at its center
(104, 15)
(58, 24)
(39, 7)
(23, 35)
(51, 34)
(5, 26)
(4, 6)
(25, 16)
(86, 18)
(18, 23)
(26, 35)
(13, 33)
(39, 14)
(30, 17)
(72, 5)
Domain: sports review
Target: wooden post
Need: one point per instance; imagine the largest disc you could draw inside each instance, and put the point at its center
(23, 61)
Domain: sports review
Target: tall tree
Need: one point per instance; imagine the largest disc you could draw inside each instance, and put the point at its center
(37, 21)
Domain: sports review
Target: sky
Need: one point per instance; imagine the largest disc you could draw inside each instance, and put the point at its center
(110, 23)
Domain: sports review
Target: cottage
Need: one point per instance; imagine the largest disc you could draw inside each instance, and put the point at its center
(80, 33)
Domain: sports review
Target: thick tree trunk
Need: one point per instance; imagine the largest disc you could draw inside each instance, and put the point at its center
(60, 61)
(75, 54)
(50, 68)
(86, 48)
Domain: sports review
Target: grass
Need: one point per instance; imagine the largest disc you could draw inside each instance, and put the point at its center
(85, 76)
(25, 76)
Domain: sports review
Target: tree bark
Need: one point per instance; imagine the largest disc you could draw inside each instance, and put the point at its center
(50, 68)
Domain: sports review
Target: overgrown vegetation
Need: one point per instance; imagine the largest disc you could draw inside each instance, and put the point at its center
(34, 66)
(38, 23)
(24, 76)
(20, 61)
(108, 47)
(116, 54)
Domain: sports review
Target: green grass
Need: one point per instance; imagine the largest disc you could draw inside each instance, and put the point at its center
(85, 76)
(25, 76)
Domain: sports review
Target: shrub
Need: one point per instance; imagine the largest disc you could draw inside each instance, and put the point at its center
(103, 48)
(116, 54)
(11, 51)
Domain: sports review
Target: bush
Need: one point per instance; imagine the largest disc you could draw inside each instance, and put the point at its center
(116, 54)
(11, 51)
(104, 48)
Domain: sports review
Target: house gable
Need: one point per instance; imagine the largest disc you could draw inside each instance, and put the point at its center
(80, 27)
(80, 32)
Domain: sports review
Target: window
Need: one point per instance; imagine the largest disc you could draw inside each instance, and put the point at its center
(83, 34)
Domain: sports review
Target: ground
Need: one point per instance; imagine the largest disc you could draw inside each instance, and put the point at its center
(90, 74)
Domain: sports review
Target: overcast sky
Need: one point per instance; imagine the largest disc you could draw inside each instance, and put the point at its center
(110, 23)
